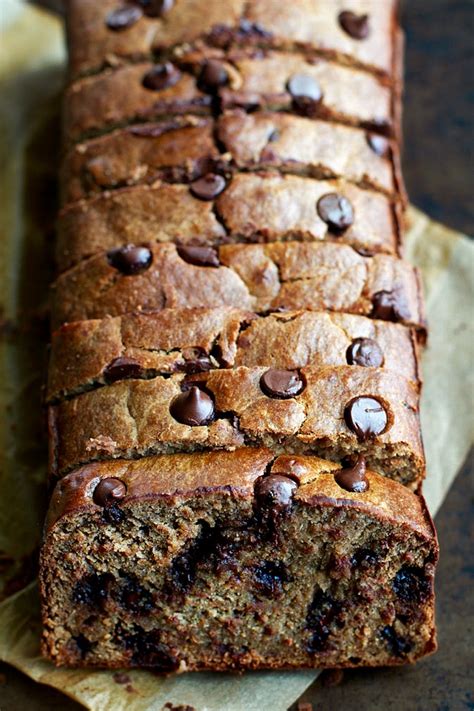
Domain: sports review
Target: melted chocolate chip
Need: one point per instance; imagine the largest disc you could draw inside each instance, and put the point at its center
(366, 417)
(156, 8)
(208, 186)
(357, 26)
(213, 75)
(412, 585)
(365, 352)
(379, 144)
(108, 491)
(353, 478)
(123, 18)
(196, 360)
(390, 306)
(122, 368)
(397, 645)
(305, 92)
(148, 651)
(84, 645)
(113, 514)
(336, 211)
(92, 589)
(161, 76)
(275, 491)
(193, 407)
(322, 611)
(130, 260)
(199, 256)
(282, 384)
(270, 577)
(364, 558)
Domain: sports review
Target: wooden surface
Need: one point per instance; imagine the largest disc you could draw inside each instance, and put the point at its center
(438, 159)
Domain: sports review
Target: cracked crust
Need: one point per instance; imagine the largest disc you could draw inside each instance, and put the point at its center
(183, 149)
(176, 340)
(290, 276)
(312, 26)
(263, 207)
(132, 418)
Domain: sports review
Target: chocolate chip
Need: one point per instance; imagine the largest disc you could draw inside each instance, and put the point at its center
(397, 645)
(162, 76)
(122, 368)
(275, 491)
(270, 576)
(213, 75)
(133, 596)
(412, 585)
(365, 352)
(123, 18)
(336, 211)
(108, 491)
(357, 26)
(390, 306)
(306, 93)
(199, 256)
(366, 417)
(281, 384)
(379, 144)
(196, 360)
(92, 589)
(156, 8)
(208, 186)
(193, 407)
(322, 612)
(148, 651)
(84, 645)
(130, 260)
(353, 478)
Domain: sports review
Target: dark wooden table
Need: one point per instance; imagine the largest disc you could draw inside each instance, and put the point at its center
(439, 106)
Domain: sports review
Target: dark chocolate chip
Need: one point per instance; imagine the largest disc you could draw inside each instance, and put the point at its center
(113, 514)
(156, 8)
(353, 478)
(412, 585)
(92, 589)
(336, 211)
(196, 360)
(123, 18)
(365, 352)
(364, 558)
(193, 407)
(122, 368)
(281, 384)
(130, 260)
(148, 651)
(275, 491)
(322, 612)
(397, 645)
(357, 26)
(84, 645)
(379, 144)
(213, 75)
(108, 491)
(161, 76)
(306, 93)
(208, 186)
(270, 577)
(199, 256)
(366, 417)
(390, 306)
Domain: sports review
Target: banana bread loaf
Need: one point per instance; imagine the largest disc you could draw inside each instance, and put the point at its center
(236, 560)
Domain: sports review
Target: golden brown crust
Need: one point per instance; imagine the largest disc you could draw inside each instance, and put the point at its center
(252, 208)
(311, 26)
(132, 418)
(203, 339)
(289, 276)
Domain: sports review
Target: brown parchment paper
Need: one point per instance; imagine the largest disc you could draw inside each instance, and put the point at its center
(31, 75)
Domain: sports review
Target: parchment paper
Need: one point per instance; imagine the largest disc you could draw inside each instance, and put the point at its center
(31, 75)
